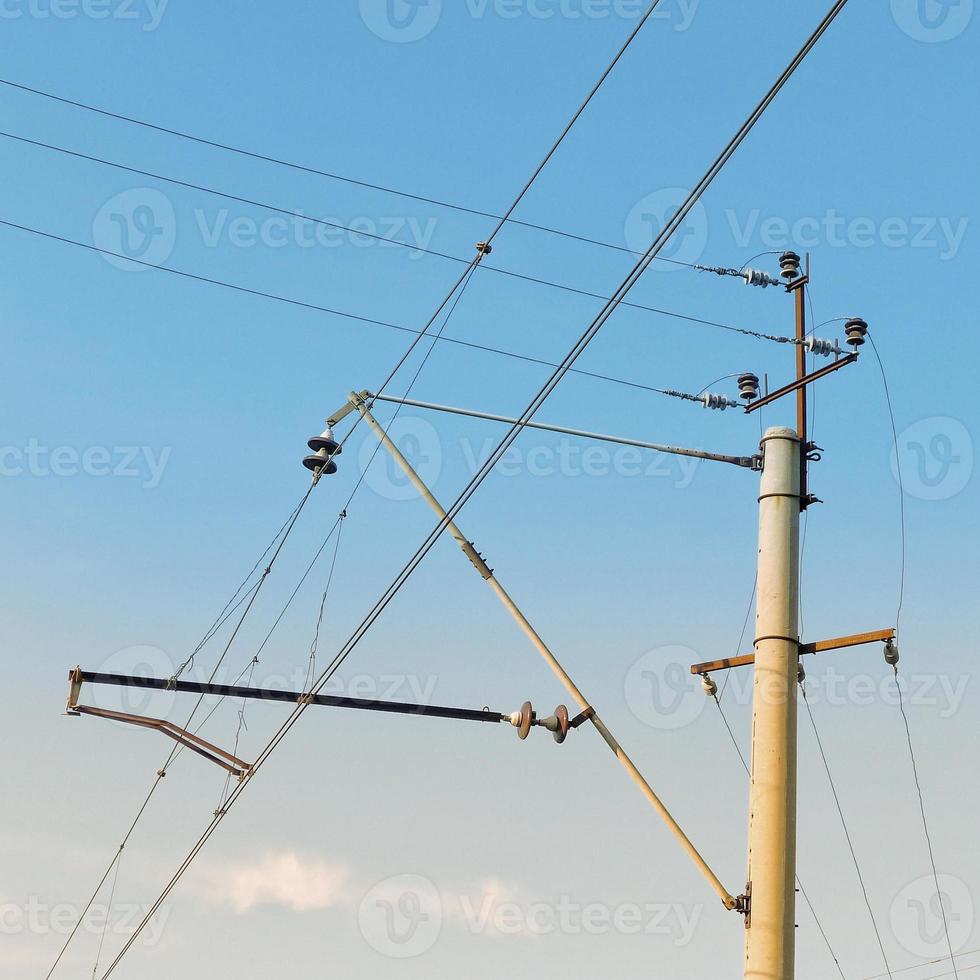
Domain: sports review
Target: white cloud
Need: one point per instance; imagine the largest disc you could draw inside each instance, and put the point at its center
(285, 878)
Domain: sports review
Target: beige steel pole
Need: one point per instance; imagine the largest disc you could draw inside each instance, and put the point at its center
(771, 919)
(583, 703)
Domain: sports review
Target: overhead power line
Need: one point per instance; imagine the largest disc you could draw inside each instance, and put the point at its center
(847, 833)
(458, 285)
(266, 158)
(536, 402)
(325, 222)
(316, 307)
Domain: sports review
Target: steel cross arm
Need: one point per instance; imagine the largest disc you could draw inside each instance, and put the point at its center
(802, 382)
(291, 697)
(749, 462)
(837, 643)
(359, 402)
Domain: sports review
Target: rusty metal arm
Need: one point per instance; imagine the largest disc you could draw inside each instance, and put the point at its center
(801, 382)
(820, 646)
(189, 740)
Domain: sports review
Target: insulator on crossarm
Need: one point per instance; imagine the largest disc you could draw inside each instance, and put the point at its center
(756, 277)
(708, 686)
(748, 386)
(891, 653)
(855, 330)
(789, 264)
(822, 347)
(324, 447)
(720, 402)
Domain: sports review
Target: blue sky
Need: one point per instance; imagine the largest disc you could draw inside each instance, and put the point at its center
(154, 427)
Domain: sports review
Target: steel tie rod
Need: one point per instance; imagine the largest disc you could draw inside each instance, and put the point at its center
(745, 461)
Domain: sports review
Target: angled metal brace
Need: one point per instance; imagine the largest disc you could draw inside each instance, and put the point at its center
(181, 736)
(359, 401)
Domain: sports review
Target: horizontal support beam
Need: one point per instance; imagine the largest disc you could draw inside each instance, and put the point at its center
(291, 697)
(837, 643)
(748, 462)
(801, 382)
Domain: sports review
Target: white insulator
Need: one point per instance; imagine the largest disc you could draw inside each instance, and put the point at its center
(755, 277)
(720, 402)
(708, 686)
(823, 347)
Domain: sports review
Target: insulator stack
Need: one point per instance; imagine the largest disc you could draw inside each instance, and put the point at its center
(748, 387)
(720, 402)
(789, 264)
(891, 653)
(708, 686)
(823, 347)
(324, 447)
(855, 329)
(755, 277)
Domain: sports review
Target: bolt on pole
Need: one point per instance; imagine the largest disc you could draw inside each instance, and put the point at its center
(771, 891)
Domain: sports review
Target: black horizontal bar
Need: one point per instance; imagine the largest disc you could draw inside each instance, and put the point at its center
(802, 382)
(293, 697)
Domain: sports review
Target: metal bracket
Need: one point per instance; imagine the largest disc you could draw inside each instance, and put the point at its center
(189, 740)
(743, 905)
(801, 382)
(837, 643)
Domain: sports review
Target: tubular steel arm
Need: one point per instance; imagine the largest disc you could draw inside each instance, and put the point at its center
(588, 712)
(748, 462)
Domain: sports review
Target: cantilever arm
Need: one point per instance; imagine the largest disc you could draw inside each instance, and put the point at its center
(358, 401)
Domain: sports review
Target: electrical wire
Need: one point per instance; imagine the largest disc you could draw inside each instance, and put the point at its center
(925, 823)
(901, 482)
(847, 833)
(460, 282)
(661, 239)
(935, 962)
(799, 884)
(898, 686)
(352, 316)
(332, 176)
(287, 212)
(108, 916)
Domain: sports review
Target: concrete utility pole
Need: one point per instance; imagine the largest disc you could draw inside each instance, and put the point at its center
(771, 892)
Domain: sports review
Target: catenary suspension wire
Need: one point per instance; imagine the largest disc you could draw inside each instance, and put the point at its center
(222, 617)
(847, 833)
(502, 447)
(415, 341)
